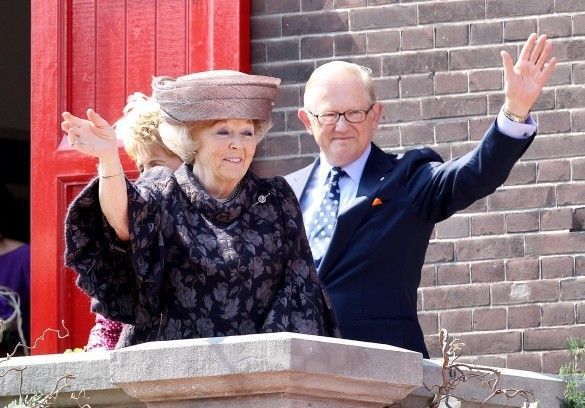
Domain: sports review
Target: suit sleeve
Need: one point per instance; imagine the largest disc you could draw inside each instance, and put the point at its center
(437, 190)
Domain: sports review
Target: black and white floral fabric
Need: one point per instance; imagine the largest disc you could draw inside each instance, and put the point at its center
(195, 267)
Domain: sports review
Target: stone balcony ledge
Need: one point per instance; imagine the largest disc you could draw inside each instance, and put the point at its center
(264, 370)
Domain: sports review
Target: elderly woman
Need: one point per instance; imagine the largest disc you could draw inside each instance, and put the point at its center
(138, 129)
(210, 250)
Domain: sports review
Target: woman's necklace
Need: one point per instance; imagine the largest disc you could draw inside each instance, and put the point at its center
(233, 195)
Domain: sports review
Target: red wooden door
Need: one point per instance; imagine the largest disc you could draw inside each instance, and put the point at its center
(93, 53)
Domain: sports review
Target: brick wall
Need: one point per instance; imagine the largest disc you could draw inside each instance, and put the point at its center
(508, 273)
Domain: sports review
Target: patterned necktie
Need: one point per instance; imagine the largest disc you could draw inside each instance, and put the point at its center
(325, 217)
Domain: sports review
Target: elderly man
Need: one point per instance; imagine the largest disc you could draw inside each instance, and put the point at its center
(369, 215)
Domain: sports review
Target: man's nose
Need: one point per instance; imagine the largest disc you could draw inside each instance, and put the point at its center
(342, 124)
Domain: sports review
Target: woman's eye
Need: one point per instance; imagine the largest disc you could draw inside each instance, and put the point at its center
(223, 132)
(248, 133)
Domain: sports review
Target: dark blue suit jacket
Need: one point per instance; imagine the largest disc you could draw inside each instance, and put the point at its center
(373, 266)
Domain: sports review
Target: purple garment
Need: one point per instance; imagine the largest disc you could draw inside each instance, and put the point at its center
(15, 274)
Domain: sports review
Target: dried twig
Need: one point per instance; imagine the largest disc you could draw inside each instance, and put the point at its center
(454, 373)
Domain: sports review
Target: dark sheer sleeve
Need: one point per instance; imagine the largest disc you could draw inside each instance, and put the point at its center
(123, 277)
(301, 304)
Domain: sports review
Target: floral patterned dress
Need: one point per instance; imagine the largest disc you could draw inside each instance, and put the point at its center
(195, 267)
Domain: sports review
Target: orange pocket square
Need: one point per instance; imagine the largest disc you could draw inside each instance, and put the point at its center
(376, 202)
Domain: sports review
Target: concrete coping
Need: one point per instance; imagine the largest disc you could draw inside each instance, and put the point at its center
(263, 370)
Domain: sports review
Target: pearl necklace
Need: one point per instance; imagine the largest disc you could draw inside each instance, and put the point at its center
(232, 195)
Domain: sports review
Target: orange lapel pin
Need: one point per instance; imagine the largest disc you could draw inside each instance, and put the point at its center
(376, 202)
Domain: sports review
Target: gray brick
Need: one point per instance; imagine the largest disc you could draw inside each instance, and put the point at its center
(382, 2)
(452, 106)
(450, 82)
(555, 267)
(488, 224)
(570, 97)
(569, 6)
(578, 73)
(452, 130)
(416, 134)
(349, 3)
(386, 88)
(289, 72)
(349, 44)
(561, 76)
(522, 197)
(326, 22)
(478, 127)
(570, 194)
(554, 170)
(400, 111)
(578, 120)
(314, 5)
(578, 169)
(486, 33)
(387, 136)
(436, 12)
(522, 269)
(556, 219)
(554, 122)
(258, 52)
(382, 17)
(555, 26)
(282, 6)
(519, 29)
(455, 321)
(413, 63)
(288, 96)
(579, 24)
(522, 173)
(479, 57)
(524, 316)
(383, 41)
(525, 221)
(451, 35)
(488, 271)
(416, 85)
(476, 249)
(485, 80)
(265, 27)
(316, 47)
(417, 38)
(524, 292)
(489, 319)
(258, 7)
(283, 50)
(506, 8)
(575, 49)
(374, 63)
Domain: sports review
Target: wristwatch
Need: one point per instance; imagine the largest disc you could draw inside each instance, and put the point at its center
(514, 118)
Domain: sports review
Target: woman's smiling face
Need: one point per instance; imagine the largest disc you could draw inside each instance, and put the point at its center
(226, 149)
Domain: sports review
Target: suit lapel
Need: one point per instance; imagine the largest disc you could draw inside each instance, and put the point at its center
(377, 165)
(299, 179)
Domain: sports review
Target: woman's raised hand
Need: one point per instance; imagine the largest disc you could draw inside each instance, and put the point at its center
(92, 136)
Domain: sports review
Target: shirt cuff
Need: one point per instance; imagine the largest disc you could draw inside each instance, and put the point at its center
(513, 129)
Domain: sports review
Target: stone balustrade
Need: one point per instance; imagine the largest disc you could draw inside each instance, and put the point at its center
(265, 370)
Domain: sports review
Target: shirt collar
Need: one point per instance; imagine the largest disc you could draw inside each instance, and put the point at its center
(354, 169)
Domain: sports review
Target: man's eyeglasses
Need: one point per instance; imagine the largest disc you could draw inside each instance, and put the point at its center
(351, 116)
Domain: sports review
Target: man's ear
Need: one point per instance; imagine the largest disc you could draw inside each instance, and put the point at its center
(304, 117)
(377, 114)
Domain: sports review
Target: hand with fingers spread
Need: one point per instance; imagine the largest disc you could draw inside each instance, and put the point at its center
(523, 81)
(92, 136)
